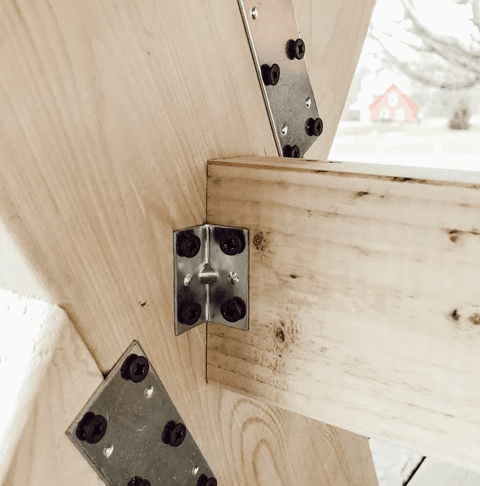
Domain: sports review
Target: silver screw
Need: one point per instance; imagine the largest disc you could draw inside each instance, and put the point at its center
(284, 130)
(254, 12)
(233, 277)
(188, 279)
(308, 102)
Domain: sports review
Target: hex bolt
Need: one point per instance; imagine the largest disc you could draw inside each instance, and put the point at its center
(232, 242)
(233, 310)
(270, 74)
(190, 313)
(293, 152)
(135, 368)
(188, 245)
(204, 480)
(314, 127)
(174, 434)
(138, 481)
(92, 428)
(295, 49)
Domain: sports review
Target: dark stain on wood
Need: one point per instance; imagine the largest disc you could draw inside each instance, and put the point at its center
(455, 315)
(281, 335)
(143, 304)
(475, 318)
(362, 193)
(258, 240)
(455, 234)
(292, 275)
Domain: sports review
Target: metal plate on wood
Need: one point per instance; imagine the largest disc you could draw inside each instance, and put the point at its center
(270, 24)
(136, 415)
(206, 278)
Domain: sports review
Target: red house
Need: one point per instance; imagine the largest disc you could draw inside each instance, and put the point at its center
(393, 106)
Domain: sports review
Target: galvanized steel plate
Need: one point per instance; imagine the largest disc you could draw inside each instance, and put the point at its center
(136, 415)
(269, 25)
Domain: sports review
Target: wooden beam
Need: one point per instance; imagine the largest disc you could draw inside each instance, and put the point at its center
(46, 374)
(365, 310)
(110, 111)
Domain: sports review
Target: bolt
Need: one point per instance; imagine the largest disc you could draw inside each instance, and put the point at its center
(138, 481)
(135, 368)
(204, 480)
(254, 12)
(92, 428)
(295, 49)
(293, 152)
(190, 313)
(188, 245)
(270, 75)
(233, 310)
(314, 128)
(174, 434)
(232, 242)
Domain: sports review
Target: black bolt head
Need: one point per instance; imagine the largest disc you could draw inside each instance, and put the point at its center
(135, 368)
(293, 152)
(174, 434)
(188, 244)
(138, 481)
(314, 127)
(204, 480)
(92, 428)
(232, 242)
(270, 74)
(295, 49)
(233, 310)
(190, 313)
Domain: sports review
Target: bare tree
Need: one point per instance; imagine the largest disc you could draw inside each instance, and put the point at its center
(426, 55)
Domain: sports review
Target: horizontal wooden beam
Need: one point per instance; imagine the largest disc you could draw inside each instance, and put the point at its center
(365, 308)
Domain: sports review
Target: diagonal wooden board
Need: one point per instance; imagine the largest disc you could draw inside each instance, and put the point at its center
(110, 111)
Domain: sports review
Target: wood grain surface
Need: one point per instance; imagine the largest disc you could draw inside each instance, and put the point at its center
(45, 456)
(110, 111)
(364, 304)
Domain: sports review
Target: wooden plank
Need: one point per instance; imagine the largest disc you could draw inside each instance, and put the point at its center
(436, 473)
(364, 302)
(110, 111)
(47, 373)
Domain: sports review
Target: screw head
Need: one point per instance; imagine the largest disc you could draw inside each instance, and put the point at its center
(174, 434)
(138, 481)
(204, 480)
(190, 313)
(135, 368)
(92, 428)
(293, 152)
(295, 49)
(233, 310)
(188, 245)
(314, 127)
(232, 242)
(270, 74)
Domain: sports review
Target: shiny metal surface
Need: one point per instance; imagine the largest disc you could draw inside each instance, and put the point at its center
(269, 25)
(211, 277)
(136, 415)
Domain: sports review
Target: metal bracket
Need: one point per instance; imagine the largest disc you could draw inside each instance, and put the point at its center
(278, 52)
(211, 277)
(132, 434)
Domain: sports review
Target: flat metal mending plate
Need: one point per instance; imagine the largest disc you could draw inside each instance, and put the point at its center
(206, 278)
(270, 24)
(136, 415)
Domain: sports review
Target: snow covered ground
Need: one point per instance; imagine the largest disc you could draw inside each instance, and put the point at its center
(426, 144)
